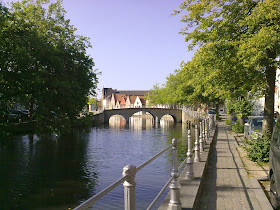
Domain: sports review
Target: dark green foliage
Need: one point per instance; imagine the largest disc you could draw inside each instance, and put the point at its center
(44, 65)
(258, 148)
(85, 121)
(237, 128)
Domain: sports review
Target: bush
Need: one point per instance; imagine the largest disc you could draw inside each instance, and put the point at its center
(258, 147)
(237, 128)
(228, 121)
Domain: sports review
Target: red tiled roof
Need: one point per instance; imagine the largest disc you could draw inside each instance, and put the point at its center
(123, 101)
(119, 97)
(132, 99)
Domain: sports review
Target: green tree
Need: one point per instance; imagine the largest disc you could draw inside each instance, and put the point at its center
(244, 35)
(241, 108)
(186, 87)
(155, 95)
(44, 64)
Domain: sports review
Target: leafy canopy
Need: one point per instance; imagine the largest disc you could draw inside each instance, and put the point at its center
(44, 64)
(239, 43)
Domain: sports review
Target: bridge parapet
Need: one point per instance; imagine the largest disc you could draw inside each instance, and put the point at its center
(157, 113)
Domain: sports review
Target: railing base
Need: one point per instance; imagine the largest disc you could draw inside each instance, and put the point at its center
(175, 206)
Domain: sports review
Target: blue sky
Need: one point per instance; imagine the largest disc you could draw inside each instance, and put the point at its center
(135, 43)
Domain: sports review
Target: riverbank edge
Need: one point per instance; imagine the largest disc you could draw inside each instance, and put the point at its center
(190, 190)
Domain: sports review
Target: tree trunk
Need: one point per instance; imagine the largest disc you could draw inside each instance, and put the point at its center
(268, 118)
(242, 120)
(217, 108)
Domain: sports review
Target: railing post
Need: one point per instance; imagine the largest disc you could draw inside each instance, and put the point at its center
(203, 133)
(190, 174)
(129, 187)
(196, 147)
(208, 127)
(175, 203)
(206, 130)
(200, 137)
(212, 123)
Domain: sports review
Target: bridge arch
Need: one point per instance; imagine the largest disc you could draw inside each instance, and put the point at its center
(172, 116)
(145, 113)
(157, 113)
(119, 120)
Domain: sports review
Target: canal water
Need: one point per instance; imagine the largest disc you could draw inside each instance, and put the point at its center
(53, 172)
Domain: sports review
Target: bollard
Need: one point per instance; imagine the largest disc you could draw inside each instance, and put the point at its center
(129, 187)
(196, 146)
(190, 174)
(175, 203)
(200, 138)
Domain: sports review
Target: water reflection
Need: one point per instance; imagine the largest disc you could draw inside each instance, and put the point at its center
(166, 121)
(59, 173)
(117, 121)
(141, 121)
(44, 171)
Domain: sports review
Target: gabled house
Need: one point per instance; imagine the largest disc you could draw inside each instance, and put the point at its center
(117, 106)
(143, 101)
(123, 103)
(127, 102)
(116, 99)
(132, 101)
(139, 102)
(112, 102)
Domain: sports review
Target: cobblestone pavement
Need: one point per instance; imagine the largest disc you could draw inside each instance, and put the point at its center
(226, 185)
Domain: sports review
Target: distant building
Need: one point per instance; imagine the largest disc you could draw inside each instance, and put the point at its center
(120, 99)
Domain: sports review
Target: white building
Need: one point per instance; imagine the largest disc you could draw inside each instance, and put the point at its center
(258, 106)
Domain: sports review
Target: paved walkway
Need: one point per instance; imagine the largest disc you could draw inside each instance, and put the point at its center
(227, 185)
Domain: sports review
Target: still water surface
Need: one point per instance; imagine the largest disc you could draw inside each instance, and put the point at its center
(60, 173)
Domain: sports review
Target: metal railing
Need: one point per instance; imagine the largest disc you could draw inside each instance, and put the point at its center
(202, 133)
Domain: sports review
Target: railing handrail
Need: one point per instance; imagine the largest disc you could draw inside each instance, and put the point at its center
(155, 156)
(165, 186)
(99, 195)
(130, 171)
(159, 194)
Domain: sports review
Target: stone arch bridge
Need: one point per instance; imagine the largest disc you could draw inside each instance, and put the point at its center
(157, 113)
